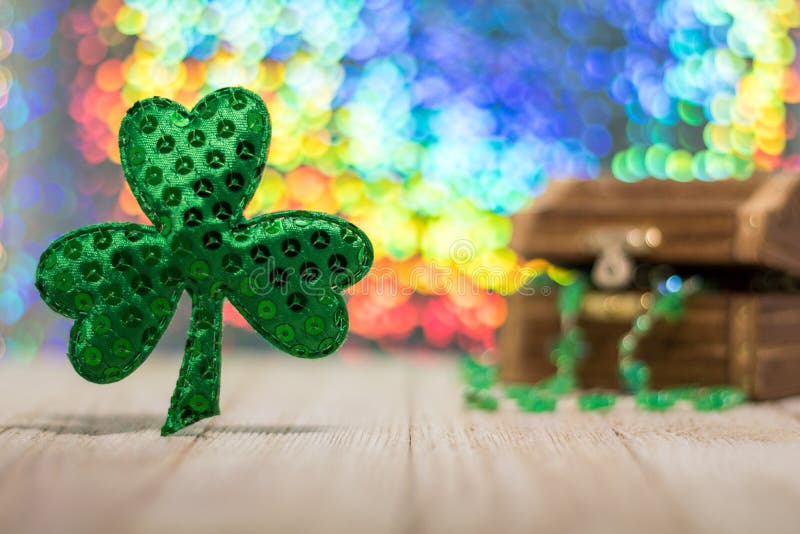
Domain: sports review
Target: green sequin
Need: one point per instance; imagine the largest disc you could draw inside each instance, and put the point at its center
(102, 324)
(193, 173)
(92, 356)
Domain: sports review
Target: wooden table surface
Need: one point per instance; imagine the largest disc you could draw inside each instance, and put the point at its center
(377, 445)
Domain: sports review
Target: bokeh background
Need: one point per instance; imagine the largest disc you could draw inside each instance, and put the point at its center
(426, 123)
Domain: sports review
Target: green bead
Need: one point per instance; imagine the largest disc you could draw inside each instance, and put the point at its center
(478, 376)
(628, 343)
(481, 400)
(684, 393)
(569, 346)
(642, 324)
(560, 384)
(596, 401)
(720, 398)
(656, 401)
(515, 391)
(635, 375)
(670, 307)
(537, 402)
(570, 297)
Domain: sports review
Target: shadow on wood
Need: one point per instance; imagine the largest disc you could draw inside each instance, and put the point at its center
(102, 425)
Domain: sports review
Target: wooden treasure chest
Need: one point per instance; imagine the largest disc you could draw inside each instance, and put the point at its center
(741, 238)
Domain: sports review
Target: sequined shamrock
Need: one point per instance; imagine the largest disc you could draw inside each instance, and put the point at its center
(193, 173)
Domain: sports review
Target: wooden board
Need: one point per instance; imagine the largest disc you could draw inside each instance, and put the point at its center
(377, 445)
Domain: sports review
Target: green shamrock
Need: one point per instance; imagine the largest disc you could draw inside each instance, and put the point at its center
(193, 173)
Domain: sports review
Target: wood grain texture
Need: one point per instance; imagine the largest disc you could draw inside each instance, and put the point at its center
(377, 445)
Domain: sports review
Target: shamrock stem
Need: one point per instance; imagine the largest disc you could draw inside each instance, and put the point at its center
(196, 394)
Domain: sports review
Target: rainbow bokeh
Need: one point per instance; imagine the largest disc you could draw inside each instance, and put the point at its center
(427, 124)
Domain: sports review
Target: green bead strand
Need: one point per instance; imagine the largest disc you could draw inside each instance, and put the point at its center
(570, 347)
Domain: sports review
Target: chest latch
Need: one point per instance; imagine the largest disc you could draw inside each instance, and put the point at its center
(615, 248)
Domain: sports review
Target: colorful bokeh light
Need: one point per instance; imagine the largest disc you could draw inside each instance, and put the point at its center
(427, 124)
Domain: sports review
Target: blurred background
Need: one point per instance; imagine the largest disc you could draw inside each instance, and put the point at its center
(425, 123)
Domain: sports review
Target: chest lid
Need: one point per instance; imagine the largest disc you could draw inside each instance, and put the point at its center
(754, 222)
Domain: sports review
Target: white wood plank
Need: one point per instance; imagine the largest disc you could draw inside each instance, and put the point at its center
(377, 444)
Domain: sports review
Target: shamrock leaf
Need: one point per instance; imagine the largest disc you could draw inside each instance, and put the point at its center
(193, 173)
